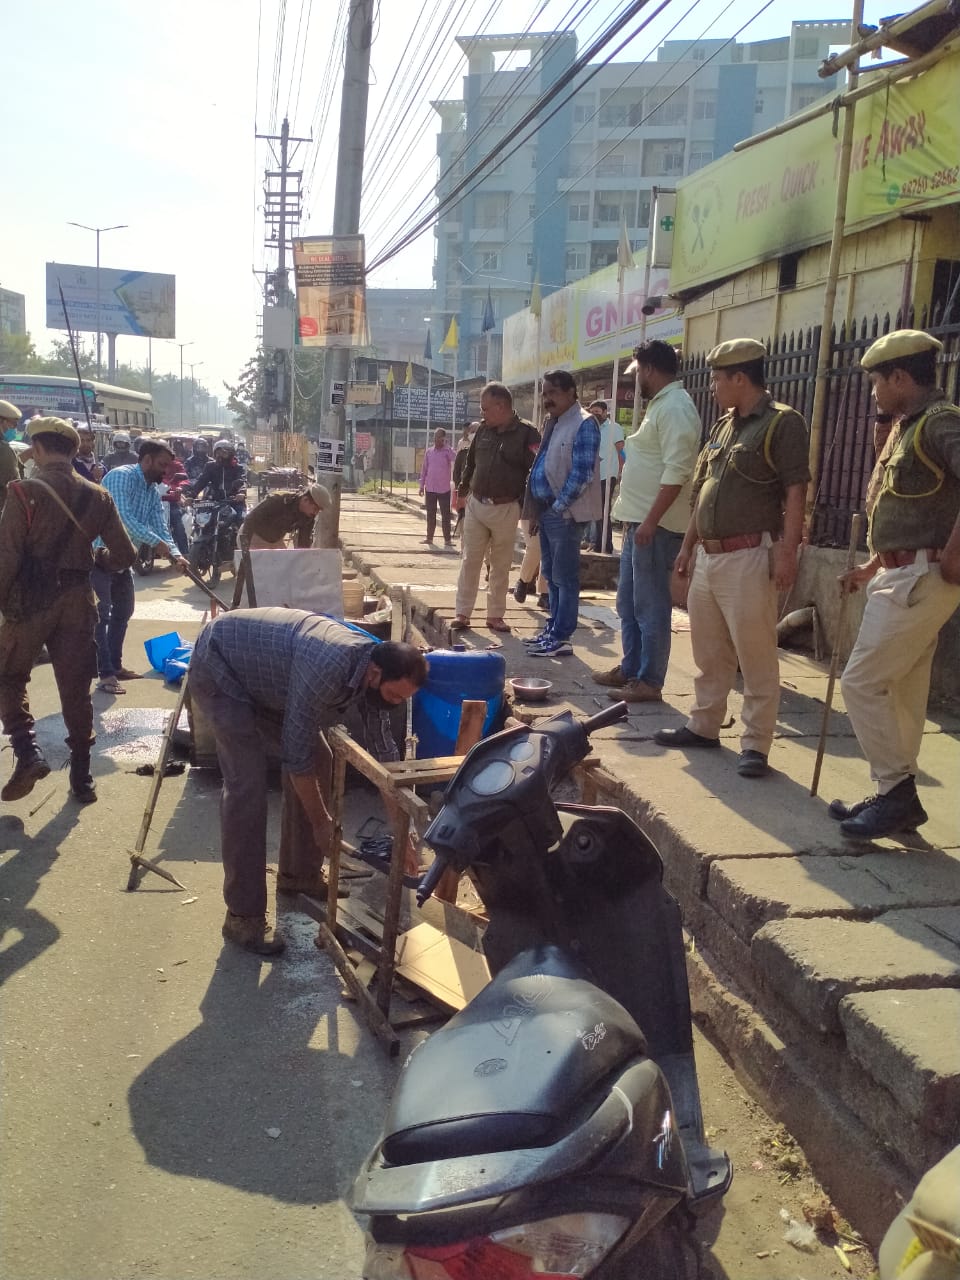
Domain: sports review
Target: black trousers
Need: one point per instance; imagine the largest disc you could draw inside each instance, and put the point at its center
(433, 500)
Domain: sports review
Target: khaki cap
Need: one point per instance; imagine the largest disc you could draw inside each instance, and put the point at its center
(8, 410)
(53, 426)
(736, 351)
(896, 345)
(320, 494)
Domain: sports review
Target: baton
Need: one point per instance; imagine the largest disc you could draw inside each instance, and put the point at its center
(835, 659)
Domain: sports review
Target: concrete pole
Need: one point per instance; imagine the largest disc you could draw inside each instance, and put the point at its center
(346, 211)
(98, 305)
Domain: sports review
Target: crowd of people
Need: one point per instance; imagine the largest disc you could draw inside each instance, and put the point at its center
(724, 518)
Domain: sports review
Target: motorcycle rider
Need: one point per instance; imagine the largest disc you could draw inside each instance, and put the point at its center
(198, 459)
(122, 454)
(222, 480)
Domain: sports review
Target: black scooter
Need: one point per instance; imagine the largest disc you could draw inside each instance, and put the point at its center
(553, 1127)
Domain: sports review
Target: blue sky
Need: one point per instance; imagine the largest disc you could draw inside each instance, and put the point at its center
(119, 112)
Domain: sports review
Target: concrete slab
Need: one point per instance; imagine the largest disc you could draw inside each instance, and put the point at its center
(812, 964)
(749, 892)
(909, 1041)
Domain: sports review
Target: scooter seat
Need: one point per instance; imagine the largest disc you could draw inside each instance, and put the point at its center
(521, 1063)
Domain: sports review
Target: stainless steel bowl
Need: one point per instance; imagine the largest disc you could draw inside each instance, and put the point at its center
(531, 688)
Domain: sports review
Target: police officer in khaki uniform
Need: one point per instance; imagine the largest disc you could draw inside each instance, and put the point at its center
(749, 489)
(46, 530)
(913, 577)
(10, 415)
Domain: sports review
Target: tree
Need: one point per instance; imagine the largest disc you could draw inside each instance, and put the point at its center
(245, 400)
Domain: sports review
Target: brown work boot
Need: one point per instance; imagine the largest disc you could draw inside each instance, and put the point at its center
(28, 771)
(614, 677)
(253, 933)
(312, 886)
(637, 691)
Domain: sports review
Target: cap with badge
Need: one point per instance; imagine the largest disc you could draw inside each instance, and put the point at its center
(9, 411)
(736, 351)
(53, 427)
(896, 345)
(320, 495)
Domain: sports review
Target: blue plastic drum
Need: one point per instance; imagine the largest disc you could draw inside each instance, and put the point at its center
(455, 678)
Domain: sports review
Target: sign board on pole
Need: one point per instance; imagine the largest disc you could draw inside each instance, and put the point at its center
(664, 221)
(337, 392)
(330, 277)
(140, 303)
(363, 441)
(441, 405)
(364, 393)
(329, 454)
(278, 327)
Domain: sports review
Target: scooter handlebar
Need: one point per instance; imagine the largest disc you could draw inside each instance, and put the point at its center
(610, 715)
(431, 880)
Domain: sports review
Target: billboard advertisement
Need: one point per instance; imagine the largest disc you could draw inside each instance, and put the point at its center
(580, 326)
(779, 196)
(139, 303)
(330, 275)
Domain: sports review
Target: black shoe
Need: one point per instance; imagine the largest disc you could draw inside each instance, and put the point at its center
(683, 738)
(752, 764)
(543, 601)
(898, 810)
(81, 783)
(521, 590)
(29, 770)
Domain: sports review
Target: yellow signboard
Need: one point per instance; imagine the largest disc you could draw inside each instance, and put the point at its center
(778, 196)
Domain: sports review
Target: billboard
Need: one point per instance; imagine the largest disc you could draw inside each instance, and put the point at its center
(441, 405)
(140, 303)
(330, 275)
(779, 196)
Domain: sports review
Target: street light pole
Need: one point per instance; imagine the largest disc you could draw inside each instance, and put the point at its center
(193, 392)
(97, 231)
(181, 345)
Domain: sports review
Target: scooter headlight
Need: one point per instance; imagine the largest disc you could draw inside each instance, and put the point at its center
(551, 1249)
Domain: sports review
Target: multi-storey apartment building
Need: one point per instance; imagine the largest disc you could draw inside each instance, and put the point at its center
(551, 209)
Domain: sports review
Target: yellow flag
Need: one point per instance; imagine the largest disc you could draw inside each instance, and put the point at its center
(390, 379)
(452, 340)
(536, 301)
(408, 377)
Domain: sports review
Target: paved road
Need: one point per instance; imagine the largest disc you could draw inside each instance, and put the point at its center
(144, 1061)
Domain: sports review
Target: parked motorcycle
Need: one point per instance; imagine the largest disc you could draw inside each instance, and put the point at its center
(553, 1127)
(213, 539)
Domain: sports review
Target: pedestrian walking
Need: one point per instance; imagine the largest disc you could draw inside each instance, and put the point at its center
(134, 490)
(563, 496)
(494, 476)
(653, 504)
(436, 476)
(749, 487)
(284, 515)
(283, 674)
(912, 579)
(47, 529)
(10, 415)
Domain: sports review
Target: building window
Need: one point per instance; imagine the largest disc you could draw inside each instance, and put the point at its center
(613, 115)
(531, 258)
(699, 158)
(699, 53)
(608, 213)
(667, 106)
(579, 212)
(581, 114)
(531, 211)
(807, 47)
(758, 107)
(603, 257)
(490, 262)
(704, 108)
(787, 274)
(612, 166)
(576, 260)
(805, 100)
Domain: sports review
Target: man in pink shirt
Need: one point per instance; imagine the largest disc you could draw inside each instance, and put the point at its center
(435, 476)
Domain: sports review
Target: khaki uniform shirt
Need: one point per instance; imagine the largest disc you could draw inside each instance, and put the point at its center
(275, 517)
(32, 520)
(9, 469)
(913, 497)
(498, 462)
(741, 479)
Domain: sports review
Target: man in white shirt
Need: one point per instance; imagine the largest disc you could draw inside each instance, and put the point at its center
(654, 506)
(609, 461)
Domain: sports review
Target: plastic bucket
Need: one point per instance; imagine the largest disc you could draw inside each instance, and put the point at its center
(159, 648)
(455, 678)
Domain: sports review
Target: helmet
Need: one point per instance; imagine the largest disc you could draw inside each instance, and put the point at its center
(226, 446)
(121, 437)
(200, 440)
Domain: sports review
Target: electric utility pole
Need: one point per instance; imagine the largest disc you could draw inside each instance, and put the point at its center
(282, 210)
(346, 209)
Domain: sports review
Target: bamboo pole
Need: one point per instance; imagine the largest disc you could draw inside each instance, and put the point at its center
(835, 659)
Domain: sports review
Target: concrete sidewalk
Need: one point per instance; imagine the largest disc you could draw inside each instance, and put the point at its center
(829, 970)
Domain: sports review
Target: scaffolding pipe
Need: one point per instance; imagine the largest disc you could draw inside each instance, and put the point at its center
(882, 36)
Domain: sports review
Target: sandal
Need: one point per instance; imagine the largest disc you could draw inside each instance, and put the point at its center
(124, 674)
(110, 684)
(497, 624)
